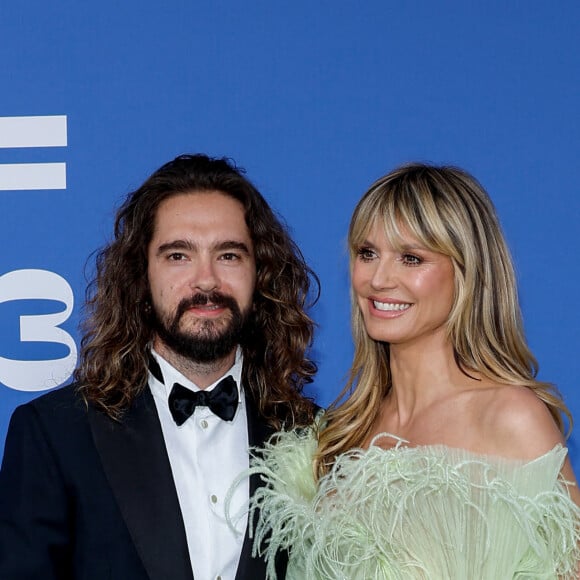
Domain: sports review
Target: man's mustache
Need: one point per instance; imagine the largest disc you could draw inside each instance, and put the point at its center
(202, 298)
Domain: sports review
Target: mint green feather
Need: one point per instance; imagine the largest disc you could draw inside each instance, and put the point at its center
(430, 512)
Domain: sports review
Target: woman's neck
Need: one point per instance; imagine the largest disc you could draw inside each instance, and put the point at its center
(421, 375)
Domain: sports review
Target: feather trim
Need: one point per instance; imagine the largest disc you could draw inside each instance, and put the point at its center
(414, 512)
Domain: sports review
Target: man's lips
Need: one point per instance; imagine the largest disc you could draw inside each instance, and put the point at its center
(206, 305)
(208, 309)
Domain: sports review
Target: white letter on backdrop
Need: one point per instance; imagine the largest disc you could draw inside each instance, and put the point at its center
(38, 375)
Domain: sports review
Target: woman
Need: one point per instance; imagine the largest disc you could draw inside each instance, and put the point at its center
(446, 459)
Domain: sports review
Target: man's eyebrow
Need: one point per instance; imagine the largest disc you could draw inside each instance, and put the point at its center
(232, 245)
(190, 246)
(175, 245)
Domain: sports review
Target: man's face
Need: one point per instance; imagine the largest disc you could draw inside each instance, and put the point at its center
(202, 275)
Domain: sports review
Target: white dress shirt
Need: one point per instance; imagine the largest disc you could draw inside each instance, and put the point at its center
(206, 455)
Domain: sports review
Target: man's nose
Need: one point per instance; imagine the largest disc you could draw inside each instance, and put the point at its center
(204, 275)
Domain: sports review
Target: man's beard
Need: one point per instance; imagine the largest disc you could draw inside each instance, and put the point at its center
(210, 340)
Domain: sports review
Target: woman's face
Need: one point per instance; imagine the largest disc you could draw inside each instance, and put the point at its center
(405, 295)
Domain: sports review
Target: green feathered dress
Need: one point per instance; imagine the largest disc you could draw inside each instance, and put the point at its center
(429, 512)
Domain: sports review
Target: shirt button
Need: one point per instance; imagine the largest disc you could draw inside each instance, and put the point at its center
(203, 424)
(213, 498)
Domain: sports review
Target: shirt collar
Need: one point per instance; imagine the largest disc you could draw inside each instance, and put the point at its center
(170, 375)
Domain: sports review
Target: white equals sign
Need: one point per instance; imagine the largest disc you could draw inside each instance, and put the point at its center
(20, 132)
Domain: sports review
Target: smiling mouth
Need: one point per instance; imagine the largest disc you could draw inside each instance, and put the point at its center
(208, 310)
(206, 307)
(391, 306)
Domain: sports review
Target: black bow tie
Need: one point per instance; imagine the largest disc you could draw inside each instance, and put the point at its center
(222, 400)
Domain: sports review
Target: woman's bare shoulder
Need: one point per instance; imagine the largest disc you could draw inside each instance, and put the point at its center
(516, 422)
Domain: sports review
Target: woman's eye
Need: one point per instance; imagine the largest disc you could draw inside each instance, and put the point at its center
(411, 260)
(365, 254)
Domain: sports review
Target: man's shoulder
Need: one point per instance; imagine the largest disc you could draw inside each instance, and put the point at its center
(57, 420)
(61, 405)
(61, 397)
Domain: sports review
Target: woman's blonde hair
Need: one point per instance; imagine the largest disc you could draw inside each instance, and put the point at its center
(449, 212)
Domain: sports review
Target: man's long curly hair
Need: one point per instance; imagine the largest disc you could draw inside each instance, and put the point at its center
(117, 329)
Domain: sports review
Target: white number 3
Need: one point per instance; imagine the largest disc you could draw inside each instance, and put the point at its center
(38, 375)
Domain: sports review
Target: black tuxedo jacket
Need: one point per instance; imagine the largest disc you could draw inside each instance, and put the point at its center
(83, 497)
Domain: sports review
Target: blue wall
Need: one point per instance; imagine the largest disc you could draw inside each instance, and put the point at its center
(315, 100)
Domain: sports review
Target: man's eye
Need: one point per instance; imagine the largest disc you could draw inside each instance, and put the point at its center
(176, 257)
(229, 257)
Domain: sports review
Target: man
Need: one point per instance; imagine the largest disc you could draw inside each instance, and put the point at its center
(194, 349)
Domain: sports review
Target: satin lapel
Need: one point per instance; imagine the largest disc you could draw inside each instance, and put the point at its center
(258, 433)
(135, 461)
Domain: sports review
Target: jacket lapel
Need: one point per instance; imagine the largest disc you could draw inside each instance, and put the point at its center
(135, 461)
(254, 568)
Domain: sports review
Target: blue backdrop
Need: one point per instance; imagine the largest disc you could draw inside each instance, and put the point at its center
(315, 100)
